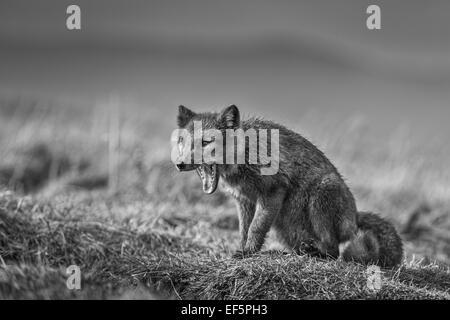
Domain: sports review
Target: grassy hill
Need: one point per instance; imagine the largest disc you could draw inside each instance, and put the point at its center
(138, 229)
(133, 256)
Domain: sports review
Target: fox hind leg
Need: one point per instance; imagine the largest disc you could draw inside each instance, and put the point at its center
(333, 216)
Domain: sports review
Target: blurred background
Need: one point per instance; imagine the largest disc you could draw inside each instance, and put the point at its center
(279, 60)
(95, 108)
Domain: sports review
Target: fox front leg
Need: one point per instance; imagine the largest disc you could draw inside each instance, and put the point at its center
(246, 211)
(246, 215)
(267, 208)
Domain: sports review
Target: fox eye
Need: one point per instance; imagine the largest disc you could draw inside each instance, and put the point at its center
(205, 143)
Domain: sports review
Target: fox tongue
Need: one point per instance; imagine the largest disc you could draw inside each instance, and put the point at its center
(208, 175)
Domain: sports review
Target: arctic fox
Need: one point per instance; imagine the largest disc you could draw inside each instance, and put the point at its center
(305, 201)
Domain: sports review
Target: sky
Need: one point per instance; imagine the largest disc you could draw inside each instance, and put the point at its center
(278, 58)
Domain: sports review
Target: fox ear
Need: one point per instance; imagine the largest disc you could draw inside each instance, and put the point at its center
(230, 116)
(184, 116)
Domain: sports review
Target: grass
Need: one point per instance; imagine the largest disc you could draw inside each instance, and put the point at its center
(170, 260)
(156, 235)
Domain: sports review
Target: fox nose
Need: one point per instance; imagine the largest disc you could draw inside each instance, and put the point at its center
(181, 166)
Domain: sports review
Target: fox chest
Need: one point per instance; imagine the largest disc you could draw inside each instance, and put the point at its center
(239, 192)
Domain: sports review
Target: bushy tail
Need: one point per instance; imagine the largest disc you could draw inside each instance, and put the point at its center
(377, 242)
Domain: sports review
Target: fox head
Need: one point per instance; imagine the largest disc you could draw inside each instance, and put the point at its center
(198, 139)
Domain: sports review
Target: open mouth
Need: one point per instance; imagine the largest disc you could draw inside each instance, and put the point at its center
(209, 177)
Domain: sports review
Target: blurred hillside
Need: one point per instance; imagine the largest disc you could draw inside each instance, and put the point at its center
(279, 61)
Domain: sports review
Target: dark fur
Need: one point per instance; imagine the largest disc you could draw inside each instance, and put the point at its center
(377, 242)
(307, 202)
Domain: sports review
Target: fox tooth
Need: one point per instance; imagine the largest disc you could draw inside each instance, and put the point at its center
(208, 176)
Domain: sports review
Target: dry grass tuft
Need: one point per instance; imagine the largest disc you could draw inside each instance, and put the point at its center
(38, 241)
